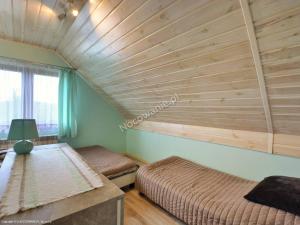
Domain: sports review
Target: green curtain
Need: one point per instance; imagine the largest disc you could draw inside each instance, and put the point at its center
(67, 104)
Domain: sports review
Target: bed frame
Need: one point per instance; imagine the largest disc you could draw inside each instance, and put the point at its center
(129, 179)
(124, 180)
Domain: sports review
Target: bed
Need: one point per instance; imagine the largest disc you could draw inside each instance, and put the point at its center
(120, 169)
(199, 195)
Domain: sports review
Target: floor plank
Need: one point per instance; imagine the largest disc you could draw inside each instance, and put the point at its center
(140, 211)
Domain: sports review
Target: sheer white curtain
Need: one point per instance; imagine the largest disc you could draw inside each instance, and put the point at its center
(28, 91)
(45, 103)
(10, 99)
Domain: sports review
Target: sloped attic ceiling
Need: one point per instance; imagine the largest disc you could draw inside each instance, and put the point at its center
(141, 52)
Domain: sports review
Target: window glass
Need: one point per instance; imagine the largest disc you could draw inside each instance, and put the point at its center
(28, 95)
(10, 99)
(45, 104)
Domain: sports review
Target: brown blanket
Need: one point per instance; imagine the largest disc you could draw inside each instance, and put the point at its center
(108, 163)
(199, 195)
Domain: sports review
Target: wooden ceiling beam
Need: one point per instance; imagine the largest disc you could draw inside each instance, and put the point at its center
(259, 70)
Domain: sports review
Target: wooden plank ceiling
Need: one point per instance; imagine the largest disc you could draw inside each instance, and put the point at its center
(141, 52)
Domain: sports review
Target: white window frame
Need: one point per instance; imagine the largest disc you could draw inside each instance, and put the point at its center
(27, 72)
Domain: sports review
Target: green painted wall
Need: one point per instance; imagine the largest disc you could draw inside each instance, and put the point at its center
(32, 53)
(98, 122)
(244, 163)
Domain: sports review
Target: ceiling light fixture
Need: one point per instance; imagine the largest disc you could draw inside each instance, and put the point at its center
(75, 12)
(68, 7)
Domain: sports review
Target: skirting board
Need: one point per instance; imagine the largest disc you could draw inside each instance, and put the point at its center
(282, 144)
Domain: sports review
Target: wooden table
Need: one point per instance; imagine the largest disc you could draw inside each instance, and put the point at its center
(102, 206)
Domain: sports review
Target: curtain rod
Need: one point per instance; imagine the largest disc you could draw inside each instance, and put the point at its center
(36, 63)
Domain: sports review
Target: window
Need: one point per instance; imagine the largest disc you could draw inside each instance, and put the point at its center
(45, 103)
(10, 99)
(28, 94)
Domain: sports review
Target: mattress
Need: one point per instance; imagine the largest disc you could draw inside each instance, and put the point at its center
(108, 163)
(199, 195)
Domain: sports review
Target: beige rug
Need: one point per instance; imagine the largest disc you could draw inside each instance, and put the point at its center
(46, 175)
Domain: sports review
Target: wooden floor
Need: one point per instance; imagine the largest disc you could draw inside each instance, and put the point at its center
(140, 211)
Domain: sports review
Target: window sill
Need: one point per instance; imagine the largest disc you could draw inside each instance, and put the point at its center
(41, 137)
(43, 140)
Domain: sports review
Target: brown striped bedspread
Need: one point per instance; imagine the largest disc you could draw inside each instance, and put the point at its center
(199, 195)
(106, 162)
